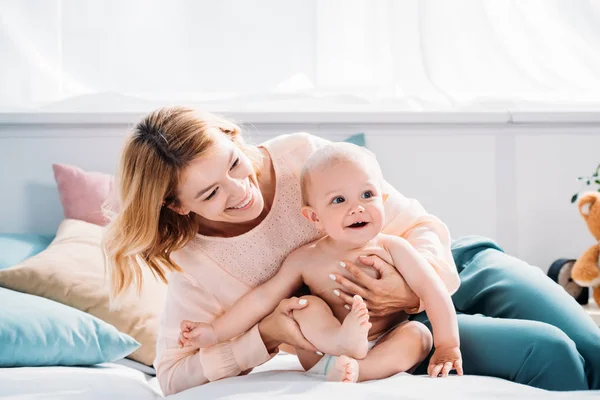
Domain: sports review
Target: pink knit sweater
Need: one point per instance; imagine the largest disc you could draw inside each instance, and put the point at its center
(218, 271)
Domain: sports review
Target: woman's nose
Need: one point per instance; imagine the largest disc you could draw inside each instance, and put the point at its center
(238, 187)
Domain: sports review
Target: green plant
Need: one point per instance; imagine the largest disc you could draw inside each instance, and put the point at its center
(589, 180)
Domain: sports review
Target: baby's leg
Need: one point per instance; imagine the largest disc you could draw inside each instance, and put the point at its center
(320, 327)
(308, 359)
(401, 350)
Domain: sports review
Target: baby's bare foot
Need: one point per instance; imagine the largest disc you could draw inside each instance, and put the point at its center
(344, 370)
(352, 337)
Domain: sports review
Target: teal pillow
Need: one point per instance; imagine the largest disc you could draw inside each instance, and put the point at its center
(35, 331)
(16, 247)
(357, 139)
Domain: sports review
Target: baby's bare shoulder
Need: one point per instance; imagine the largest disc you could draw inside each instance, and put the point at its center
(302, 253)
(307, 254)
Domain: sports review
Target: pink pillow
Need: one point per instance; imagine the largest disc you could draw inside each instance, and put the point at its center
(82, 193)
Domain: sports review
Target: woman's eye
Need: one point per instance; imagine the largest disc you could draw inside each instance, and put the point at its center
(212, 194)
(338, 200)
(235, 163)
(367, 195)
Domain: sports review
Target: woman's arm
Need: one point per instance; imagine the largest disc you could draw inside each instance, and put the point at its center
(179, 369)
(249, 309)
(427, 233)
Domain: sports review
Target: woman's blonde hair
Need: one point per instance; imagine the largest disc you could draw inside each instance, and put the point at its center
(145, 231)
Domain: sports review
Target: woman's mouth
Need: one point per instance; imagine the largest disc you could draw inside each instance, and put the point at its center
(246, 203)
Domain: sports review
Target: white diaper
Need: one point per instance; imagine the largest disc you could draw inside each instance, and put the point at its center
(373, 342)
(323, 366)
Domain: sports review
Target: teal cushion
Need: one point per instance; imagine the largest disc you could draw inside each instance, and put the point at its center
(35, 331)
(357, 139)
(16, 247)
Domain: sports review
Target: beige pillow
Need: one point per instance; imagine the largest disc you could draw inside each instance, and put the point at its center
(71, 271)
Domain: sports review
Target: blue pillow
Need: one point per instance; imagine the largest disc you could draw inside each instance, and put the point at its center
(16, 247)
(357, 139)
(35, 331)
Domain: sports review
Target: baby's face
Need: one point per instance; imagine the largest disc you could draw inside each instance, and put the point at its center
(347, 201)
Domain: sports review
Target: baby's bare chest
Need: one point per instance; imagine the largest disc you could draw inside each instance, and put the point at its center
(321, 266)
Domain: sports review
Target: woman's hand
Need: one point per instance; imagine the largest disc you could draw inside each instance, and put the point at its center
(384, 296)
(281, 327)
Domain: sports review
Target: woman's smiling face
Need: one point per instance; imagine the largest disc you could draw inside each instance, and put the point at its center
(221, 185)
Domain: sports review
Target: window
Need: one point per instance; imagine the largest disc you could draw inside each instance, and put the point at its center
(114, 55)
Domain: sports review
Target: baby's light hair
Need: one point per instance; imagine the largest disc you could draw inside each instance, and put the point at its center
(331, 155)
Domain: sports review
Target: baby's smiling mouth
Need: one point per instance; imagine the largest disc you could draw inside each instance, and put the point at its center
(357, 225)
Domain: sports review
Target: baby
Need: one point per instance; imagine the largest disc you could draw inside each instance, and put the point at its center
(342, 195)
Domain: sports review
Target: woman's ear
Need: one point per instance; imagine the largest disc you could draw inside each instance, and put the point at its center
(178, 210)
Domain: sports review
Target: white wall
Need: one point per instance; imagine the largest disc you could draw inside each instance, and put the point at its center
(509, 181)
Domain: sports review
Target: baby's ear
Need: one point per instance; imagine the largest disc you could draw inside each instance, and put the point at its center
(309, 213)
(385, 197)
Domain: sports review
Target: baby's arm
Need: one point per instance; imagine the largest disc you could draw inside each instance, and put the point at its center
(428, 286)
(248, 310)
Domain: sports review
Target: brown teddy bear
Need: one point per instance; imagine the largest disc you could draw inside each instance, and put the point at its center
(586, 270)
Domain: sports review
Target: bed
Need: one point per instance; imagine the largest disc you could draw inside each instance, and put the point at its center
(281, 377)
(32, 205)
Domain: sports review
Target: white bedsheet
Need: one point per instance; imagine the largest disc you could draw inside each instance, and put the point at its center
(104, 381)
(278, 378)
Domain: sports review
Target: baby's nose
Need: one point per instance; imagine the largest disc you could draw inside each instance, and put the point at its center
(357, 209)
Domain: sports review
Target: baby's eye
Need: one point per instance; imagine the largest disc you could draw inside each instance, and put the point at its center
(367, 195)
(338, 200)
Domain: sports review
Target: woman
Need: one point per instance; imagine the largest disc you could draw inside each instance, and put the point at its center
(220, 217)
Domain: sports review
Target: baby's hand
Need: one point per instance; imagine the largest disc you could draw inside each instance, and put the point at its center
(445, 360)
(197, 334)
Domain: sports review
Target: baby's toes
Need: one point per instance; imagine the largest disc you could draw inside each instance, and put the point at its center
(348, 372)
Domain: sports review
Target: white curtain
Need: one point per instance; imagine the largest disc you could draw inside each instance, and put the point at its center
(130, 55)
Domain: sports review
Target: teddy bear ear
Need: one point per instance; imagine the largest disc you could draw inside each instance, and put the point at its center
(586, 202)
(584, 209)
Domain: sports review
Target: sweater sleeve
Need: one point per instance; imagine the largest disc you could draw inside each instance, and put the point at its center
(180, 369)
(427, 233)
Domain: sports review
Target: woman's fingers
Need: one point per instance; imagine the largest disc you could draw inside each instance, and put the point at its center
(377, 263)
(349, 299)
(288, 306)
(293, 303)
(346, 298)
(350, 286)
(358, 274)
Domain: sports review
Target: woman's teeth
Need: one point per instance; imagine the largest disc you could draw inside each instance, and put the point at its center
(245, 202)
